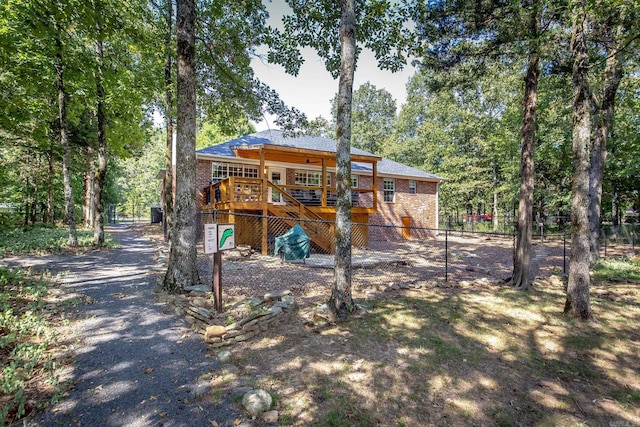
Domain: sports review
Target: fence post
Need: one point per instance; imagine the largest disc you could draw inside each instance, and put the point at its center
(446, 255)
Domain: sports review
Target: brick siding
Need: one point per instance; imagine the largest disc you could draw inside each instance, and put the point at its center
(420, 207)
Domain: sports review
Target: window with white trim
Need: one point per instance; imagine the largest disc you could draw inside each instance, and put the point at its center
(413, 187)
(389, 190)
(308, 178)
(219, 171)
(225, 170)
(236, 170)
(354, 181)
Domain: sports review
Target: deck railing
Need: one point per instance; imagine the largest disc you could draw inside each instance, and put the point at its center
(237, 189)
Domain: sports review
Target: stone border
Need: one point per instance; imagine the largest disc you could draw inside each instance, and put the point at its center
(198, 311)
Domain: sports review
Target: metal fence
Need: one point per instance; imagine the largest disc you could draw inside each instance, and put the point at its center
(382, 256)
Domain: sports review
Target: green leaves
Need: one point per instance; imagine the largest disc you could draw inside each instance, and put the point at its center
(40, 240)
(373, 114)
(315, 24)
(25, 338)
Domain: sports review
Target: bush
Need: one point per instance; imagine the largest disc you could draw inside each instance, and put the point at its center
(25, 338)
(40, 239)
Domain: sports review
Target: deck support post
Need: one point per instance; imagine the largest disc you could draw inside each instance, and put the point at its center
(324, 182)
(265, 231)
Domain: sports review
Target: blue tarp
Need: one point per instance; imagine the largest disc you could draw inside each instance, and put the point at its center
(295, 244)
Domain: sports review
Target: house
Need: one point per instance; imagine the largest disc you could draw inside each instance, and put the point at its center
(269, 174)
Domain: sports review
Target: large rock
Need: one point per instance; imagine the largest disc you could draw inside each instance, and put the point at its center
(270, 417)
(256, 402)
(215, 331)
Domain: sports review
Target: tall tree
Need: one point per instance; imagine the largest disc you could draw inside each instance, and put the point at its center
(465, 36)
(181, 270)
(101, 170)
(167, 217)
(70, 217)
(470, 129)
(332, 33)
(373, 116)
(341, 300)
(577, 302)
(614, 40)
(522, 256)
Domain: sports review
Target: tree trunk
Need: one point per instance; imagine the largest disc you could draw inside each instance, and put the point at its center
(615, 207)
(182, 270)
(341, 301)
(167, 208)
(34, 203)
(70, 217)
(88, 206)
(604, 117)
(496, 223)
(522, 256)
(27, 202)
(50, 210)
(577, 303)
(101, 171)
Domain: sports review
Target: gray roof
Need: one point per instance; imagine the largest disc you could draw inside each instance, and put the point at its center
(277, 137)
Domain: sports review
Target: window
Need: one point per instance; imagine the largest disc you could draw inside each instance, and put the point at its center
(250, 171)
(412, 187)
(354, 181)
(389, 190)
(308, 178)
(236, 170)
(328, 179)
(218, 171)
(224, 170)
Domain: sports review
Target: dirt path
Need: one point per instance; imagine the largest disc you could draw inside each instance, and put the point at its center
(136, 364)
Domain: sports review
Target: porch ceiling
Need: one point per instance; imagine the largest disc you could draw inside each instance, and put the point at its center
(285, 154)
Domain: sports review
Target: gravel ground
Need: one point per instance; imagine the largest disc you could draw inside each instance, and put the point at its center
(136, 363)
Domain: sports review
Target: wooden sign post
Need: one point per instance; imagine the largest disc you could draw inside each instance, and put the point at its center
(218, 238)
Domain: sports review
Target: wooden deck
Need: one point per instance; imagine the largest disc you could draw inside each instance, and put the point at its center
(242, 194)
(314, 205)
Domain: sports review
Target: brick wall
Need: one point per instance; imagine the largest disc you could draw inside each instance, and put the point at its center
(420, 207)
(203, 178)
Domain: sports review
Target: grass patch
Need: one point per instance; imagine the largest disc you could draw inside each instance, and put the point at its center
(464, 356)
(44, 239)
(30, 370)
(617, 270)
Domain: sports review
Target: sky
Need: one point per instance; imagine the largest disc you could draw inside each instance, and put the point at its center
(313, 89)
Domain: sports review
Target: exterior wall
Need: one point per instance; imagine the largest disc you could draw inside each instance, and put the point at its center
(203, 178)
(290, 175)
(420, 207)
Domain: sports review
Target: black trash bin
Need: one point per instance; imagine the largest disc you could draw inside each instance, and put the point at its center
(156, 215)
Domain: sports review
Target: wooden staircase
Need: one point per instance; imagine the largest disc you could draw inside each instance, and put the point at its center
(320, 232)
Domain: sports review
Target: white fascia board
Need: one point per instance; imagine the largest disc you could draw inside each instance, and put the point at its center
(416, 178)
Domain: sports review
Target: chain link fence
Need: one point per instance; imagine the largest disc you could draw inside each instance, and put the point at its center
(382, 256)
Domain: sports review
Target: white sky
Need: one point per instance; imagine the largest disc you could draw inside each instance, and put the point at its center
(313, 89)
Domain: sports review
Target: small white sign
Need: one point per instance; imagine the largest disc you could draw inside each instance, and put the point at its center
(226, 236)
(210, 238)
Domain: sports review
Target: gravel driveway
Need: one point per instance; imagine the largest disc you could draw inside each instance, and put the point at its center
(136, 364)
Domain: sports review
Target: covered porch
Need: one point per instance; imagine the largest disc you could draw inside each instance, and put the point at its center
(275, 191)
(242, 193)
